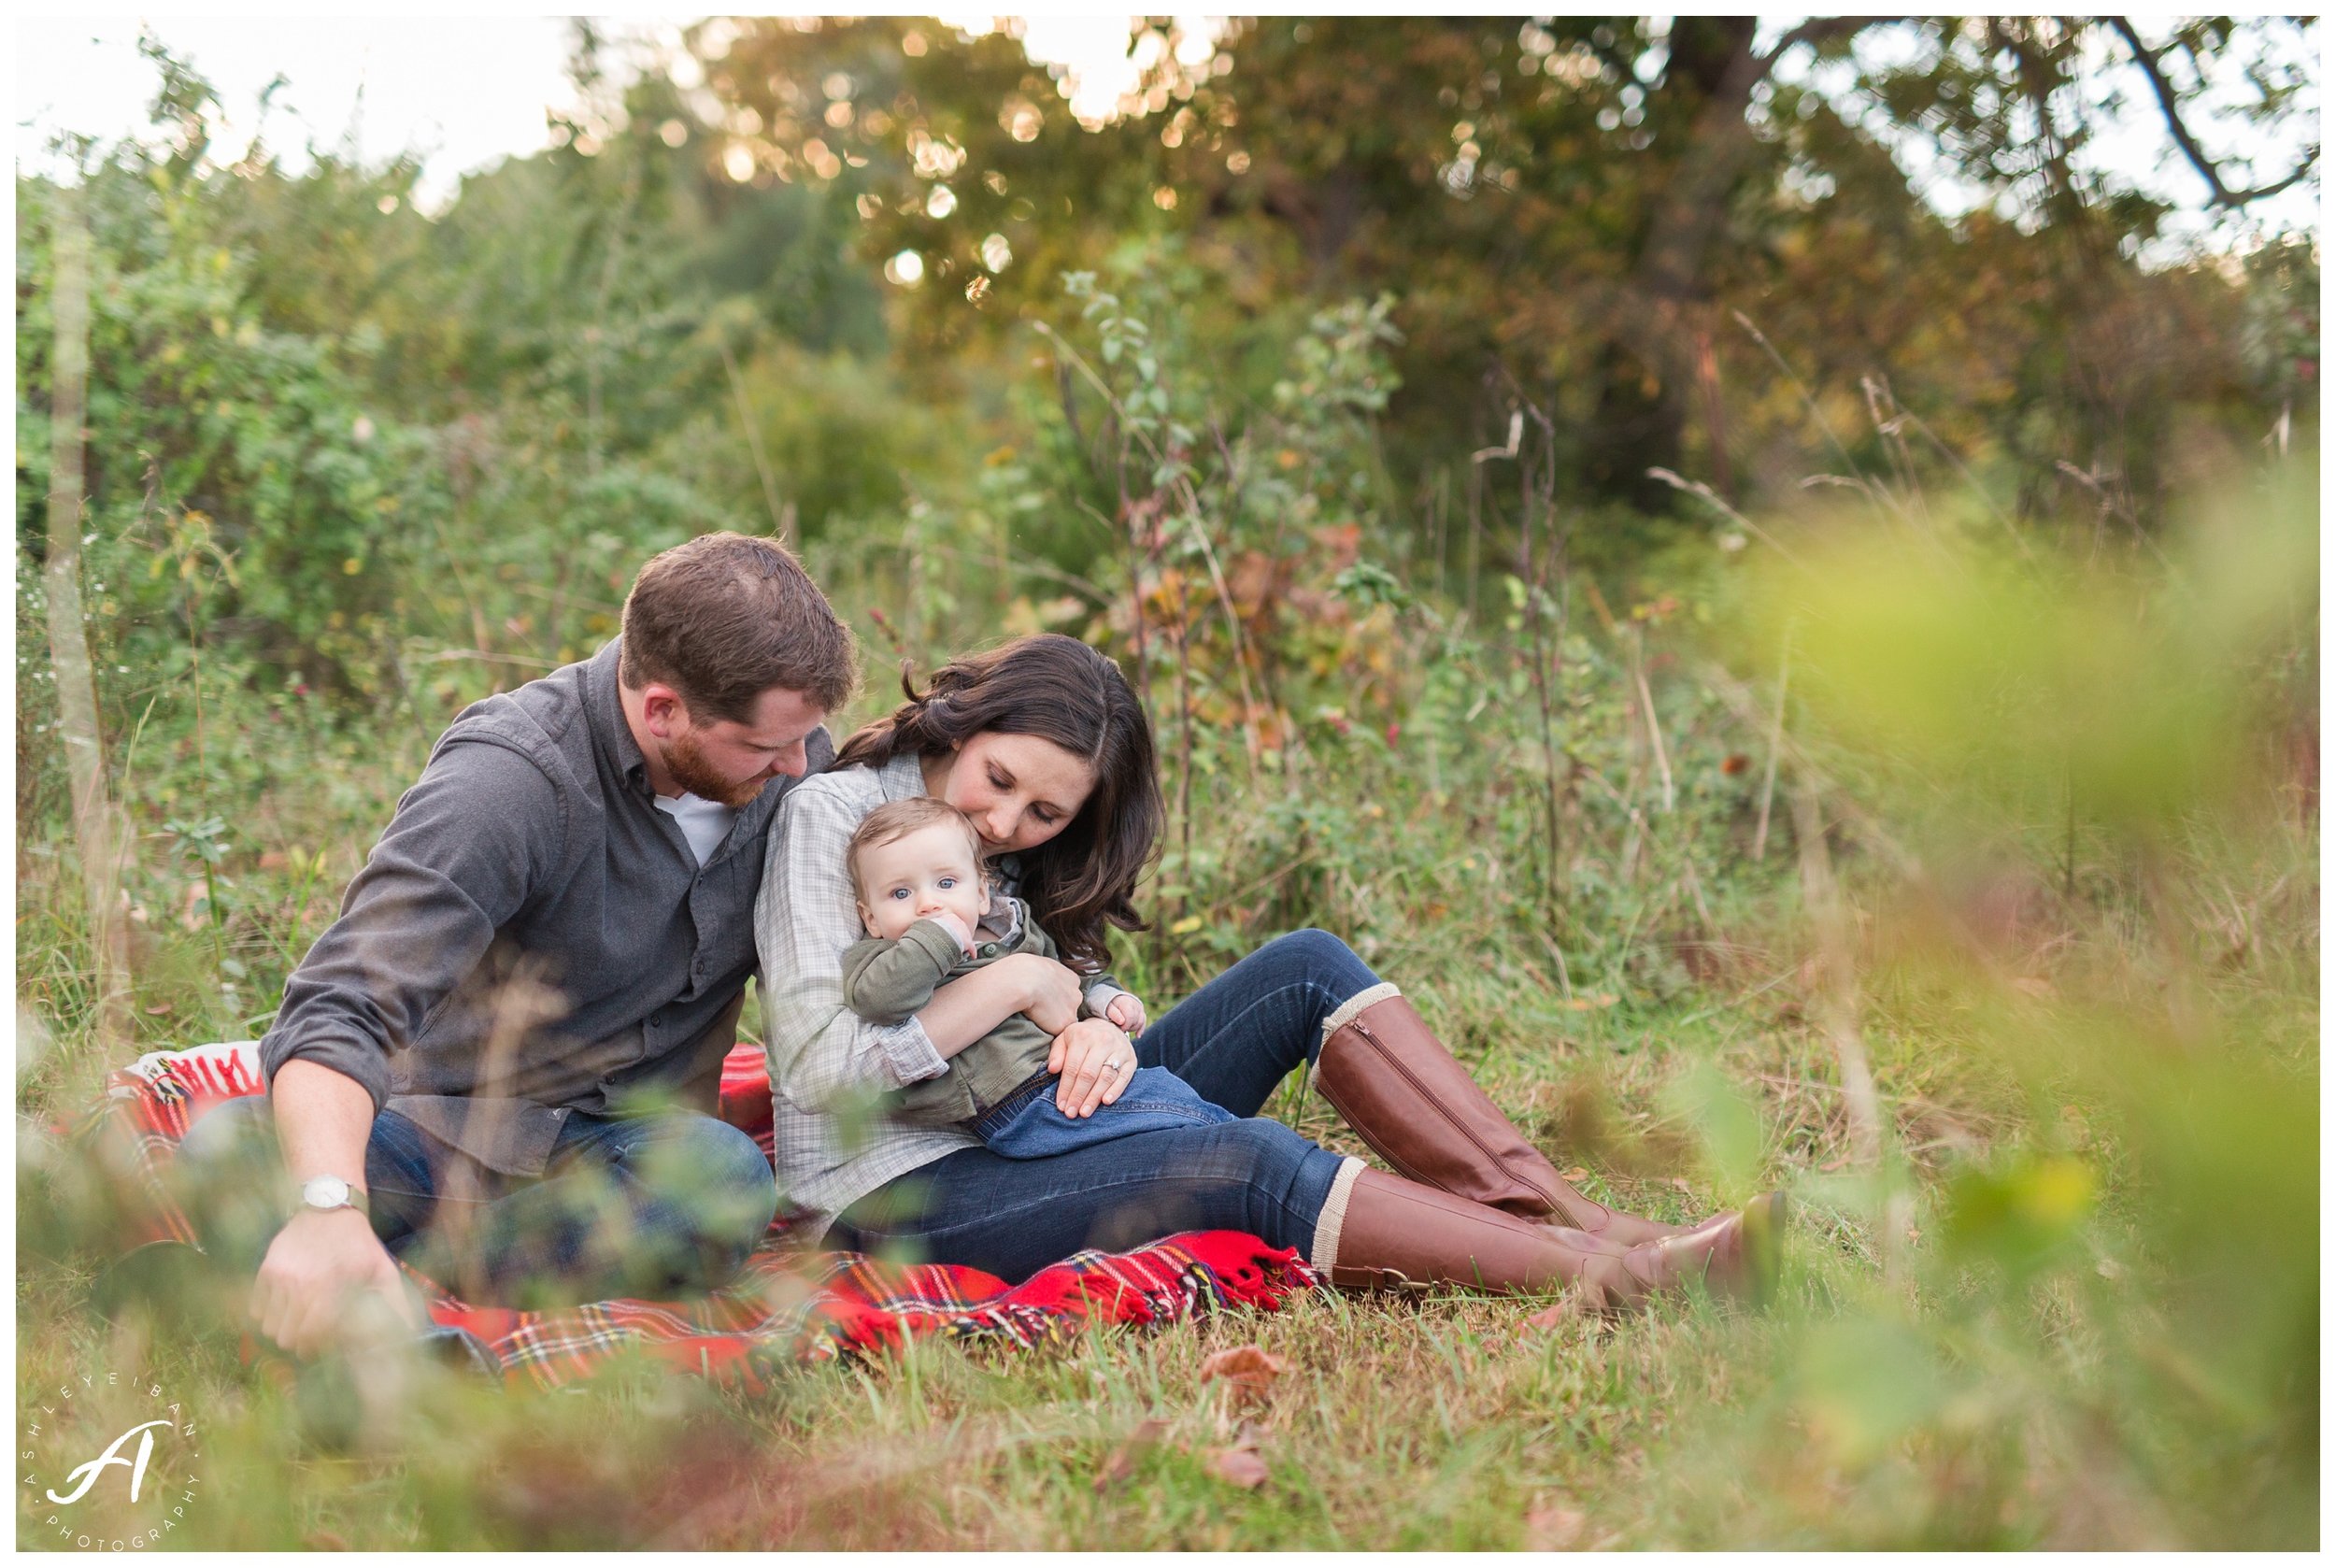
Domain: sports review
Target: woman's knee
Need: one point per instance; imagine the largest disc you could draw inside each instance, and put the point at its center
(1321, 959)
(1255, 1151)
(1253, 1175)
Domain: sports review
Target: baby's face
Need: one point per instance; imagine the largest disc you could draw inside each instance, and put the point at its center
(916, 877)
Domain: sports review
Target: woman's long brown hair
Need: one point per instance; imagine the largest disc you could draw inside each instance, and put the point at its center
(1058, 690)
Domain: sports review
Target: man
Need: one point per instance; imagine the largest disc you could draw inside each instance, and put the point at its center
(501, 1061)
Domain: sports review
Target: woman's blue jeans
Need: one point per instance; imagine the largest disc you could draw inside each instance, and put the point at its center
(638, 1205)
(1233, 1040)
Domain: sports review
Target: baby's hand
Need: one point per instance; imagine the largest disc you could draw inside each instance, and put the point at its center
(1126, 1012)
(948, 920)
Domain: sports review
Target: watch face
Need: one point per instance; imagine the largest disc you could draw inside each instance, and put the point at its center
(324, 1191)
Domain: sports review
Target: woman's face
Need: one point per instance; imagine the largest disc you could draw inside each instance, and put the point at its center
(1019, 789)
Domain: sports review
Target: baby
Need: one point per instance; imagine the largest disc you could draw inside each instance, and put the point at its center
(931, 917)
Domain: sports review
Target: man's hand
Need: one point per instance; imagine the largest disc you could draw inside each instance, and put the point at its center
(1096, 1062)
(1051, 991)
(319, 1263)
(1126, 1012)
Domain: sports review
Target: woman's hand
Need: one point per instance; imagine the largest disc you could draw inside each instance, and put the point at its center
(1096, 1062)
(1051, 991)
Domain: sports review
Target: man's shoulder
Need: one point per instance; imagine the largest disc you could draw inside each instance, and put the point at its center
(545, 721)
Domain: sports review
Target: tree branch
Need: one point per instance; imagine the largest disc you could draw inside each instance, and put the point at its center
(2221, 195)
(1818, 31)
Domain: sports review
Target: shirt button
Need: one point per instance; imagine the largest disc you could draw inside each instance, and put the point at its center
(989, 950)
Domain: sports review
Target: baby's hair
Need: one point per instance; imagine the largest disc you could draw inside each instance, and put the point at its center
(896, 820)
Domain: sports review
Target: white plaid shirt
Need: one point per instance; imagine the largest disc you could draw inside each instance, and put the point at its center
(824, 1057)
(829, 1064)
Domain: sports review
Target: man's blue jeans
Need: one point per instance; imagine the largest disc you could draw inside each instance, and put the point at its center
(1233, 1040)
(641, 1206)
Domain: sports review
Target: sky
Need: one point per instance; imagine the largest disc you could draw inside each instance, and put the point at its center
(393, 84)
(383, 86)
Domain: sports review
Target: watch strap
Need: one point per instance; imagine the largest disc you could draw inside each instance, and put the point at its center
(352, 1198)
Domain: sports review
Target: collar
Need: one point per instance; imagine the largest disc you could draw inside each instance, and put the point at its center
(903, 778)
(1002, 919)
(604, 710)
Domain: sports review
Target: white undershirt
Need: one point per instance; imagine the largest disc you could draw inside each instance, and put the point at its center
(704, 823)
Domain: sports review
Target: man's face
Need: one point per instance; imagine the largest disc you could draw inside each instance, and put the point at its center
(727, 760)
(916, 876)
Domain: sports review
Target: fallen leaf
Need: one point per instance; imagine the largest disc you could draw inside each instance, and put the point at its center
(1122, 1463)
(1578, 1174)
(1834, 1164)
(1248, 1372)
(1547, 1317)
(1552, 1529)
(1587, 1004)
(1681, 1183)
(158, 1010)
(1241, 1467)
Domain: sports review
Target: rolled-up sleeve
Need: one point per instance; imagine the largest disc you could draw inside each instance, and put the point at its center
(823, 1056)
(467, 844)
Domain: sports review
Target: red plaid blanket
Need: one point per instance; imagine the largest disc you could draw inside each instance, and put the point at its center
(788, 1305)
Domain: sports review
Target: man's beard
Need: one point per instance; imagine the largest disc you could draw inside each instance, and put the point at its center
(693, 773)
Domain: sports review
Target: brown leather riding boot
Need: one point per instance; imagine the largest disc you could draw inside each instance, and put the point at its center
(1387, 1073)
(1736, 1254)
(1380, 1231)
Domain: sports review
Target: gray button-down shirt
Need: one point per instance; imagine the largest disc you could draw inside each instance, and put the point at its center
(532, 936)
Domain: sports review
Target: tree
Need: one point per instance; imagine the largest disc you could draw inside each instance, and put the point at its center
(1572, 209)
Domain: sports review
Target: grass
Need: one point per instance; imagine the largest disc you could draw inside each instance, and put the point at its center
(2072, 1302)
(1445, 1422)
(942, 1446)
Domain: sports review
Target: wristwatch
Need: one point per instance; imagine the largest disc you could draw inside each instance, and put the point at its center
(330, 1193)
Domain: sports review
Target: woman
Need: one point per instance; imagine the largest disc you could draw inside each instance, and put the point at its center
(1041, 744)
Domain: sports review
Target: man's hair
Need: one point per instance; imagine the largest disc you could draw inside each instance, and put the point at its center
(725, 618)
(896, 820)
